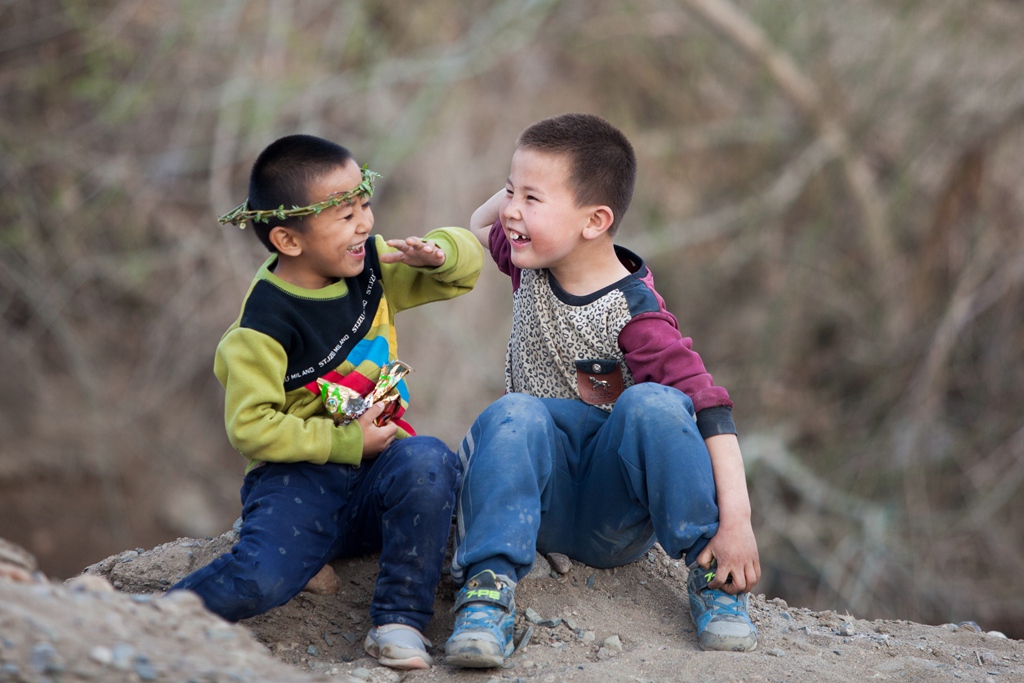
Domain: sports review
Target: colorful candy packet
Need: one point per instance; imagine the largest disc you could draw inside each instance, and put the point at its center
(345, 404)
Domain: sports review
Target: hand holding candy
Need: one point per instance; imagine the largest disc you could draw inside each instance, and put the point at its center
(345, 404)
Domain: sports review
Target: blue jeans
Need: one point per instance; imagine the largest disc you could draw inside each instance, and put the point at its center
(557, 475)
(297, 517)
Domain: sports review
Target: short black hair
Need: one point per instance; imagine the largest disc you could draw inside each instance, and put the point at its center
(602, 164)
(283, 173)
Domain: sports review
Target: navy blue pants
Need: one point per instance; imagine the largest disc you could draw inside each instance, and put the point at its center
(297, 517)
(557, 475)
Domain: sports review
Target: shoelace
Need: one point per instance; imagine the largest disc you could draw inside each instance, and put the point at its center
(725, 603)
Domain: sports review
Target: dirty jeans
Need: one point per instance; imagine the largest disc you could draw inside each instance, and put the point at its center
(557, 475)
(296, 517)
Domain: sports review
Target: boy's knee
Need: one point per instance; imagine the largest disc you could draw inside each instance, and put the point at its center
(427, 458)
(649, 401)
(240, 590)
(515, 408)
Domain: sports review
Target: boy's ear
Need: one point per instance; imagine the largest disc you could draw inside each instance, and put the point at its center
(285, 240)
(601, 218)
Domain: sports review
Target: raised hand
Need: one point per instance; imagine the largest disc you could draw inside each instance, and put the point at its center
(414, 251)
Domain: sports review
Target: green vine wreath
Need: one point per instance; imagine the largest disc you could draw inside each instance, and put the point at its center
(241, 214)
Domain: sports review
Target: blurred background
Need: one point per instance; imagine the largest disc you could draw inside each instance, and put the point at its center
(830, 197)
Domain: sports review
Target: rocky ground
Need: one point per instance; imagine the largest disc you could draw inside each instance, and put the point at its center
(575, 623)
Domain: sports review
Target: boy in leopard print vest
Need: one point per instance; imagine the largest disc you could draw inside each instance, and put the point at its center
(611, 435)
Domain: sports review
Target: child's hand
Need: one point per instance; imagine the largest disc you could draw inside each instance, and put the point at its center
(375, 439)
(414, 251)
(734, 549)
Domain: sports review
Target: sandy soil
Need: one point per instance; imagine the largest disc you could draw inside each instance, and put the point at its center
(630, 624)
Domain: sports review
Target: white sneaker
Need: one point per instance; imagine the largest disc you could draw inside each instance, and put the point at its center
(398, 646)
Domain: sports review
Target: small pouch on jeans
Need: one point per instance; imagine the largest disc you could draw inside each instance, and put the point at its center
(598, 380)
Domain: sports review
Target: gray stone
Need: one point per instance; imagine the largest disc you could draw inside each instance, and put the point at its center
(613, 643)
(44, 658)
(559, 562)
(144, 668)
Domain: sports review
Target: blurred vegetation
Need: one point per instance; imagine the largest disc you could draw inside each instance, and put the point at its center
(830, 197)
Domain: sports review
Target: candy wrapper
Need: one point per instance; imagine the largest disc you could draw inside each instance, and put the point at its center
(346, 404)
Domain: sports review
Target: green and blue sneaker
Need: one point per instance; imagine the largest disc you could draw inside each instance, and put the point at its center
(722, 619)
(485, 613)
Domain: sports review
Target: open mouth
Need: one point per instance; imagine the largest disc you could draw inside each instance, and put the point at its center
(517, 237)
(357, 249)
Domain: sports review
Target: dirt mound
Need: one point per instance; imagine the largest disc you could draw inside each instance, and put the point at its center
(626, 624)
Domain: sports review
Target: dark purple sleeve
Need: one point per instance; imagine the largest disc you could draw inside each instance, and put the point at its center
(656, 352)
(501, 252)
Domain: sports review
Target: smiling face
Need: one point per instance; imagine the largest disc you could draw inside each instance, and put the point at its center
(332, 245)
(539, 214)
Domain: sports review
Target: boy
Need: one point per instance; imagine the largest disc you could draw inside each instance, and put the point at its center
(612, 435)
(323, 306)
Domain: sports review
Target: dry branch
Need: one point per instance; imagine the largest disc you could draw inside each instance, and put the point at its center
(739, 28)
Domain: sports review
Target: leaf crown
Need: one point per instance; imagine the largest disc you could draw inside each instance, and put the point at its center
(241, 214)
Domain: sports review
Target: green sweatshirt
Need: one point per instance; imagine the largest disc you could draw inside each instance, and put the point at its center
(286, 337)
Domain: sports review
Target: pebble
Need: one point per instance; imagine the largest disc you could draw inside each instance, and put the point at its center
(589, 636)
(44, 659)
(989, 658)
(590, 580)
(361, 673)
(525, 640)
(102, 655)
(311, 650)
(559, 562)
(144, 669)
(541, 569)
(613, 643)
(777, 652)
(533, 616)
(123, 654)
(996, 634)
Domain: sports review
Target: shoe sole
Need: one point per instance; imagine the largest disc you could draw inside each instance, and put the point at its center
(475, 654)
(411, 660)
(712, 643)
(407, 664)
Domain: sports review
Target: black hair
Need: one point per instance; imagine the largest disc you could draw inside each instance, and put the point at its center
(283, 173)
(602, 164)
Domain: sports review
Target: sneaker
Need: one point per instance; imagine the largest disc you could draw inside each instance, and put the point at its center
(485, 614)
(722, 619)
(398, 646)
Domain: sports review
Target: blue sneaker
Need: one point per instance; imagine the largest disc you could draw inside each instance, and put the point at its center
(485, 614)
(722, 619)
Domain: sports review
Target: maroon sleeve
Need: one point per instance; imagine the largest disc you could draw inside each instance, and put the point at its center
(501, 252)
(656, 352)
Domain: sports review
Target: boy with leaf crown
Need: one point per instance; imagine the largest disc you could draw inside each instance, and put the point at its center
(612, 435)
(322, 307)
